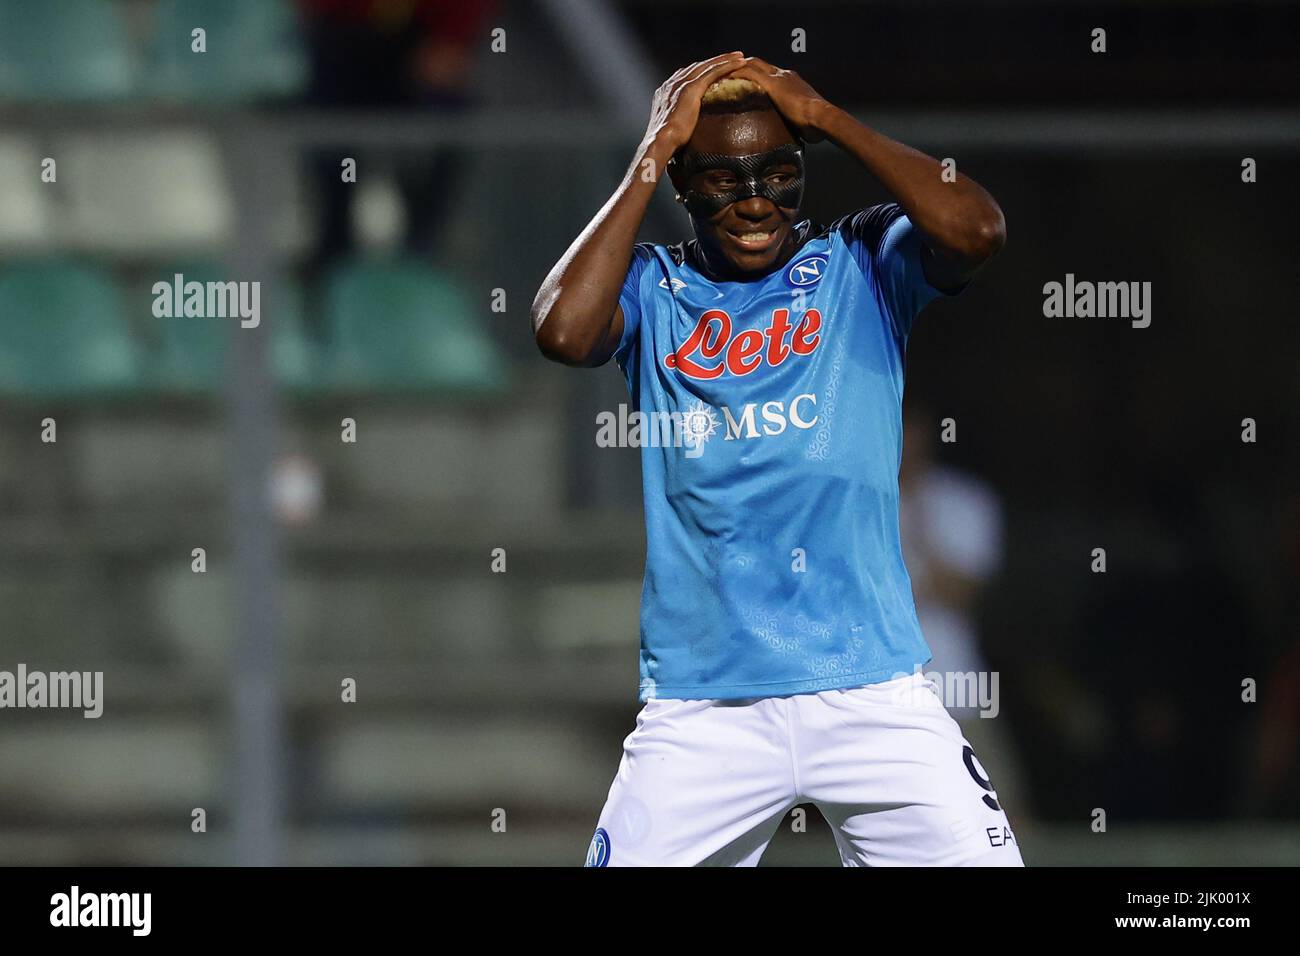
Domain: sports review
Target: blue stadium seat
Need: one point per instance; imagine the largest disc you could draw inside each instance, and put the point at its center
(253, 50)
(400, 325)
(63, 332)
(64, 49)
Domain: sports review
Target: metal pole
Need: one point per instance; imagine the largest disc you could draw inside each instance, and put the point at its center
(256, 668)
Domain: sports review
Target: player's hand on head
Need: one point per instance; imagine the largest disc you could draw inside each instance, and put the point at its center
(794, 98)
(676, 105)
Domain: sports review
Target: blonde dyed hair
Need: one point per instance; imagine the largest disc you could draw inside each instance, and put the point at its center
(734, 95)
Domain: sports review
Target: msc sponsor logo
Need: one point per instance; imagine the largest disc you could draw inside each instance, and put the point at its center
(753, 420)
(806, 272)
(776, 417)
(712, 350)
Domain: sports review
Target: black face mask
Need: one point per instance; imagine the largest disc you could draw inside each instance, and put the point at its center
(749, 172)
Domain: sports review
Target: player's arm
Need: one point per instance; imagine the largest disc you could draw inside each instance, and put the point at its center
(576, 316)
(959, 222)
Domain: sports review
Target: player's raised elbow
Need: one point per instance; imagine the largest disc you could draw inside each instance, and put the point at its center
(558, 346)
(558, 340)
(986, 235)
(971, 236)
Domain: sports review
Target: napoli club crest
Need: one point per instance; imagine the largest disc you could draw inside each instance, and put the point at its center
(806, 272)
(598, 852)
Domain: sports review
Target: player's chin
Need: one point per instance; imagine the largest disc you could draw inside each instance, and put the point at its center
(751, 253)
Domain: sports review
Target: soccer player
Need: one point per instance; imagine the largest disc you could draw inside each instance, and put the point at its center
(780, 652)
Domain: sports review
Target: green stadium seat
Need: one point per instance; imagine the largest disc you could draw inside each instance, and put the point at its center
(253, 50)
(64, 50)
(400, 325)
(191, 355)
(63, 332)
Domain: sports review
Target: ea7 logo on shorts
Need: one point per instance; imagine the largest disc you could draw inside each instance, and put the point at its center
(806, 272)
(598, 852)
(998, 839)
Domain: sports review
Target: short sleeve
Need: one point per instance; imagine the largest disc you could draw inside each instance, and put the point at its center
(888, 248)
(629, 299)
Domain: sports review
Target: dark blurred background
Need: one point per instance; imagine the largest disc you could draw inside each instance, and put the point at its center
(491, 706)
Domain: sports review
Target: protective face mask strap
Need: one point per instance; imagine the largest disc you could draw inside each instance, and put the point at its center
(748, 171)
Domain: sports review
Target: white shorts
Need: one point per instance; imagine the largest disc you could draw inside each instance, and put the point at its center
(707, 782)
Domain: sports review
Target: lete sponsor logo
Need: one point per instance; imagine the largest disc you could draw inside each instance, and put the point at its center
(711, 350)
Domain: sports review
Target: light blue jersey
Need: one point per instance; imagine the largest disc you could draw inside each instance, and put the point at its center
(773, 561)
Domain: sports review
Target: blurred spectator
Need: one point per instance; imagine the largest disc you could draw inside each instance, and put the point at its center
(392, 54)
(386, 53)
(951, 526)
(952, 538)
